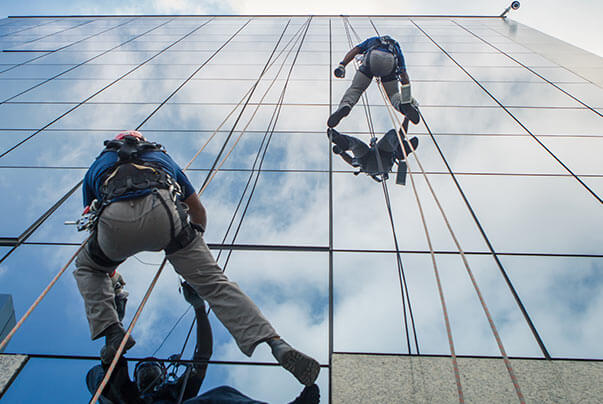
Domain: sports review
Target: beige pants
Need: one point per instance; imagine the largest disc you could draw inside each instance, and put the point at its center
(142, 224)
(381, 63)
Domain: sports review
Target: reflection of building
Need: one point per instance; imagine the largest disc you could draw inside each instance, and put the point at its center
(510, 143)
(7, 315)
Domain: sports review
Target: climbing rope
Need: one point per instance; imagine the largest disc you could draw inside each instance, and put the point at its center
(464, 259)
(293, 40)
(401, 273)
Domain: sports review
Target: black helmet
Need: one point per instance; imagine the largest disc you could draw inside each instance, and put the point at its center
(148, 374)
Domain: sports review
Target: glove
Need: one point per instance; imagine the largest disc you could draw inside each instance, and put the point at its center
(340, 71)
(192, 297)
(118, 283)
(121, 295)
(198, 228)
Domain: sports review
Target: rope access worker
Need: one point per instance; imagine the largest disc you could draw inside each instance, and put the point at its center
(378, 158)
(157, 384)
(138, 199)
(382, 58)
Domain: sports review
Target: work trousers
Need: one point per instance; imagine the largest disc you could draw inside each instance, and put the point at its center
(142, 224)
(367, 157)
(380, 64)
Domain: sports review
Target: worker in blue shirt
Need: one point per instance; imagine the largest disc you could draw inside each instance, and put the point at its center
(382, 58)
(138, 199)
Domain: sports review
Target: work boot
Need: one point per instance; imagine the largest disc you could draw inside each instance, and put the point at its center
(409, 148)
(338, 115)
(410, 110)
(304, 368)
(340, 141)
(113, 336)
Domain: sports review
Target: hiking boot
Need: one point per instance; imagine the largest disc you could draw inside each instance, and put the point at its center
(411, 111)
(338, 115)
(113, 336)
(304, 368)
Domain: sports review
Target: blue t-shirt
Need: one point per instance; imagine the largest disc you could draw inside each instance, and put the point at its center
(375, 43)
(106, 160)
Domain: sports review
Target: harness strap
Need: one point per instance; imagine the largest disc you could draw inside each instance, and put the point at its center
(186, 234)
(97, 255)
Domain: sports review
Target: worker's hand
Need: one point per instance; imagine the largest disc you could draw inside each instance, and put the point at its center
(198, 227)
(340, 71)
(192, 297)
(117, 281)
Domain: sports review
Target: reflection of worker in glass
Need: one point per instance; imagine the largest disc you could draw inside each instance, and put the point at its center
(378, 157)
(382, 58)
(156, 383)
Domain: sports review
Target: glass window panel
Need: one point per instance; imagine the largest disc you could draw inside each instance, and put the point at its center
(530, 94)
(13, 58)
(72, 58)
(275, 216)
(436, 73)
(194, 58)
(32, 192)
(10, 88)
(532, 59)
(536, 214)
(214, 91)
(8, 139)
(69, 91)
(149, 71)
(111, 117)
(117, 57)
(455, 94)
(581, 155)
(222, 71)
(589, 94)
(556, 289)
(559, 121)
(483, 59)
(32, 72)
(147, 91)
(510, 74)
(359, 204)
(92, 72)
(58, 149)
(37, 373)
(470, 120)
(30, 116)
(497, 154)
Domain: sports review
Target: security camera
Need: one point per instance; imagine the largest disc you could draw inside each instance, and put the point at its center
(514, 5)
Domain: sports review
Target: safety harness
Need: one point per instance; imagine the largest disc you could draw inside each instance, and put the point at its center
(391, 46)
(130, 174)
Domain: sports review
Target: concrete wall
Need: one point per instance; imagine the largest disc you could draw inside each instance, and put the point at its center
(10, 366)
(421, 379)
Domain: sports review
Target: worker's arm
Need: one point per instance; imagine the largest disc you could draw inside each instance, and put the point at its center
(350, 55)
(196, 210)
(203, 349)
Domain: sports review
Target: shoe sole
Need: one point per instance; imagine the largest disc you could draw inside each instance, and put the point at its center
(410, 112)
(108, 353)
(337, 116)
(304, 368)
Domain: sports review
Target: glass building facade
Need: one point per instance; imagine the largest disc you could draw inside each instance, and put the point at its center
(509, 150)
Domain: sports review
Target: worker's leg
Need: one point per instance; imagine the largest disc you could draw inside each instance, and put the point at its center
(96, 290)
(360, 83)
(393, 91)
(233, 308)
(345, 143)
(124, 228)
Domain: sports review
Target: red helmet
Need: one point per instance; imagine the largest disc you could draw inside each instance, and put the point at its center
(134, 133)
